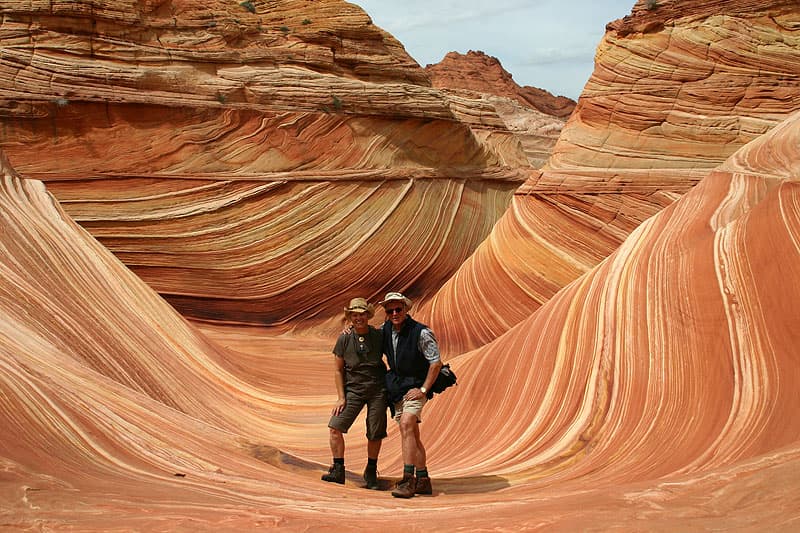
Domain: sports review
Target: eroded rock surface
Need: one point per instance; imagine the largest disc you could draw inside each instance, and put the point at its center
(478, 72)
(232, 159)
(535, 115)
(630, 321)
(666, 103)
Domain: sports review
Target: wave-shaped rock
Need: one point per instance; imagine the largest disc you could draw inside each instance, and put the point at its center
(234, 158)
(666, 103)
(682, 335)
(626, 332)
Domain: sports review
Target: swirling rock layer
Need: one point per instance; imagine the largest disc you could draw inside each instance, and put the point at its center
(676, 90)
(628, 339)
(233, 155)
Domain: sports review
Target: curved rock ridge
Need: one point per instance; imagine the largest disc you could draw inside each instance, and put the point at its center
(232, 158)
(67, 301)
(113, 404)
(684, 335)
(666, 103)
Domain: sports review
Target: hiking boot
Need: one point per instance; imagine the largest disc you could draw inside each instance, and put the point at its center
(424, 486)
(406, 487)
(371, 477)
(335, 474)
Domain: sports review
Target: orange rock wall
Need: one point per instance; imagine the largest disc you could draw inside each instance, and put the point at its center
(231, 158)
(629, 322)
(675, 91)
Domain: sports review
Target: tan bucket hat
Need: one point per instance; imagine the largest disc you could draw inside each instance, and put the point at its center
(396, 297)
(359, 305)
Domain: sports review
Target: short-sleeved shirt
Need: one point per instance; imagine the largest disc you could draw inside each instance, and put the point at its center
(365, 370)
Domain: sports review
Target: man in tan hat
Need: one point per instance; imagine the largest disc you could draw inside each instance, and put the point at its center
(414, 362)
(360, 377)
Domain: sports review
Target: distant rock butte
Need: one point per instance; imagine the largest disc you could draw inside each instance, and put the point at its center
(481, 73)
(533, 114)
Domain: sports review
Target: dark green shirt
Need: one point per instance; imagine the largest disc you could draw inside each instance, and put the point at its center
(364, 369)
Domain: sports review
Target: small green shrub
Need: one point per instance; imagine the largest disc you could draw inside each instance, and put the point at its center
(337, 104)
(652, 5)
(248, 5)
(306, 22)
(284, 29)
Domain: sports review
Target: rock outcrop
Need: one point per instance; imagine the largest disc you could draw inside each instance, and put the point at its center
(236, 158)
(535, 115)
(630, 320)
(480, 73)
(662, 108)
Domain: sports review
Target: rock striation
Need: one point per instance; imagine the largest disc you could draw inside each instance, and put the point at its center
(232, 155)
(630, 318)
(666, 103)
(682, 335)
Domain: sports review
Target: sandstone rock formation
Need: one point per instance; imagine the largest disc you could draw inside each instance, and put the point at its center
(666, 103)
(681, 336)
(252, 166)
(534, 114)
(630, 320)
(480, 73)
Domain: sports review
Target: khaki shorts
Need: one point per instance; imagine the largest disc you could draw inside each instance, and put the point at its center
(413, 407)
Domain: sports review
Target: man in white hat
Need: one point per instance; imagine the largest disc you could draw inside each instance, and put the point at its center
(360, 377)
(414, 362)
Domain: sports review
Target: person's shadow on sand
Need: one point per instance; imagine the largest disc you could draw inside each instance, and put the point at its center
(463, 485)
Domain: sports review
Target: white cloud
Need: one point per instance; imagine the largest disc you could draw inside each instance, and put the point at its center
(547, 56)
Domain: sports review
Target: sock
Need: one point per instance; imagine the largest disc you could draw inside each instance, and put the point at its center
(408, 470)
(338, 461)
(422, 472)
(372, 462)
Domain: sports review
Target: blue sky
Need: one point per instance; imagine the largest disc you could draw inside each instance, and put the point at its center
(548, 44)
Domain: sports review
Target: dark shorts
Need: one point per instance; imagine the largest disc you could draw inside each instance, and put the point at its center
(376, 414)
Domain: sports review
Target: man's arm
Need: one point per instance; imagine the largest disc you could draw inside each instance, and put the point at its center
(433, 373)
(430, 348)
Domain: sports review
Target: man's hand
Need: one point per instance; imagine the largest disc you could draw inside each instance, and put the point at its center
(338, 408)
(414, 394)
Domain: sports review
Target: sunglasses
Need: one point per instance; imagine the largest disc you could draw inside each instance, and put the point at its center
(394, 310)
